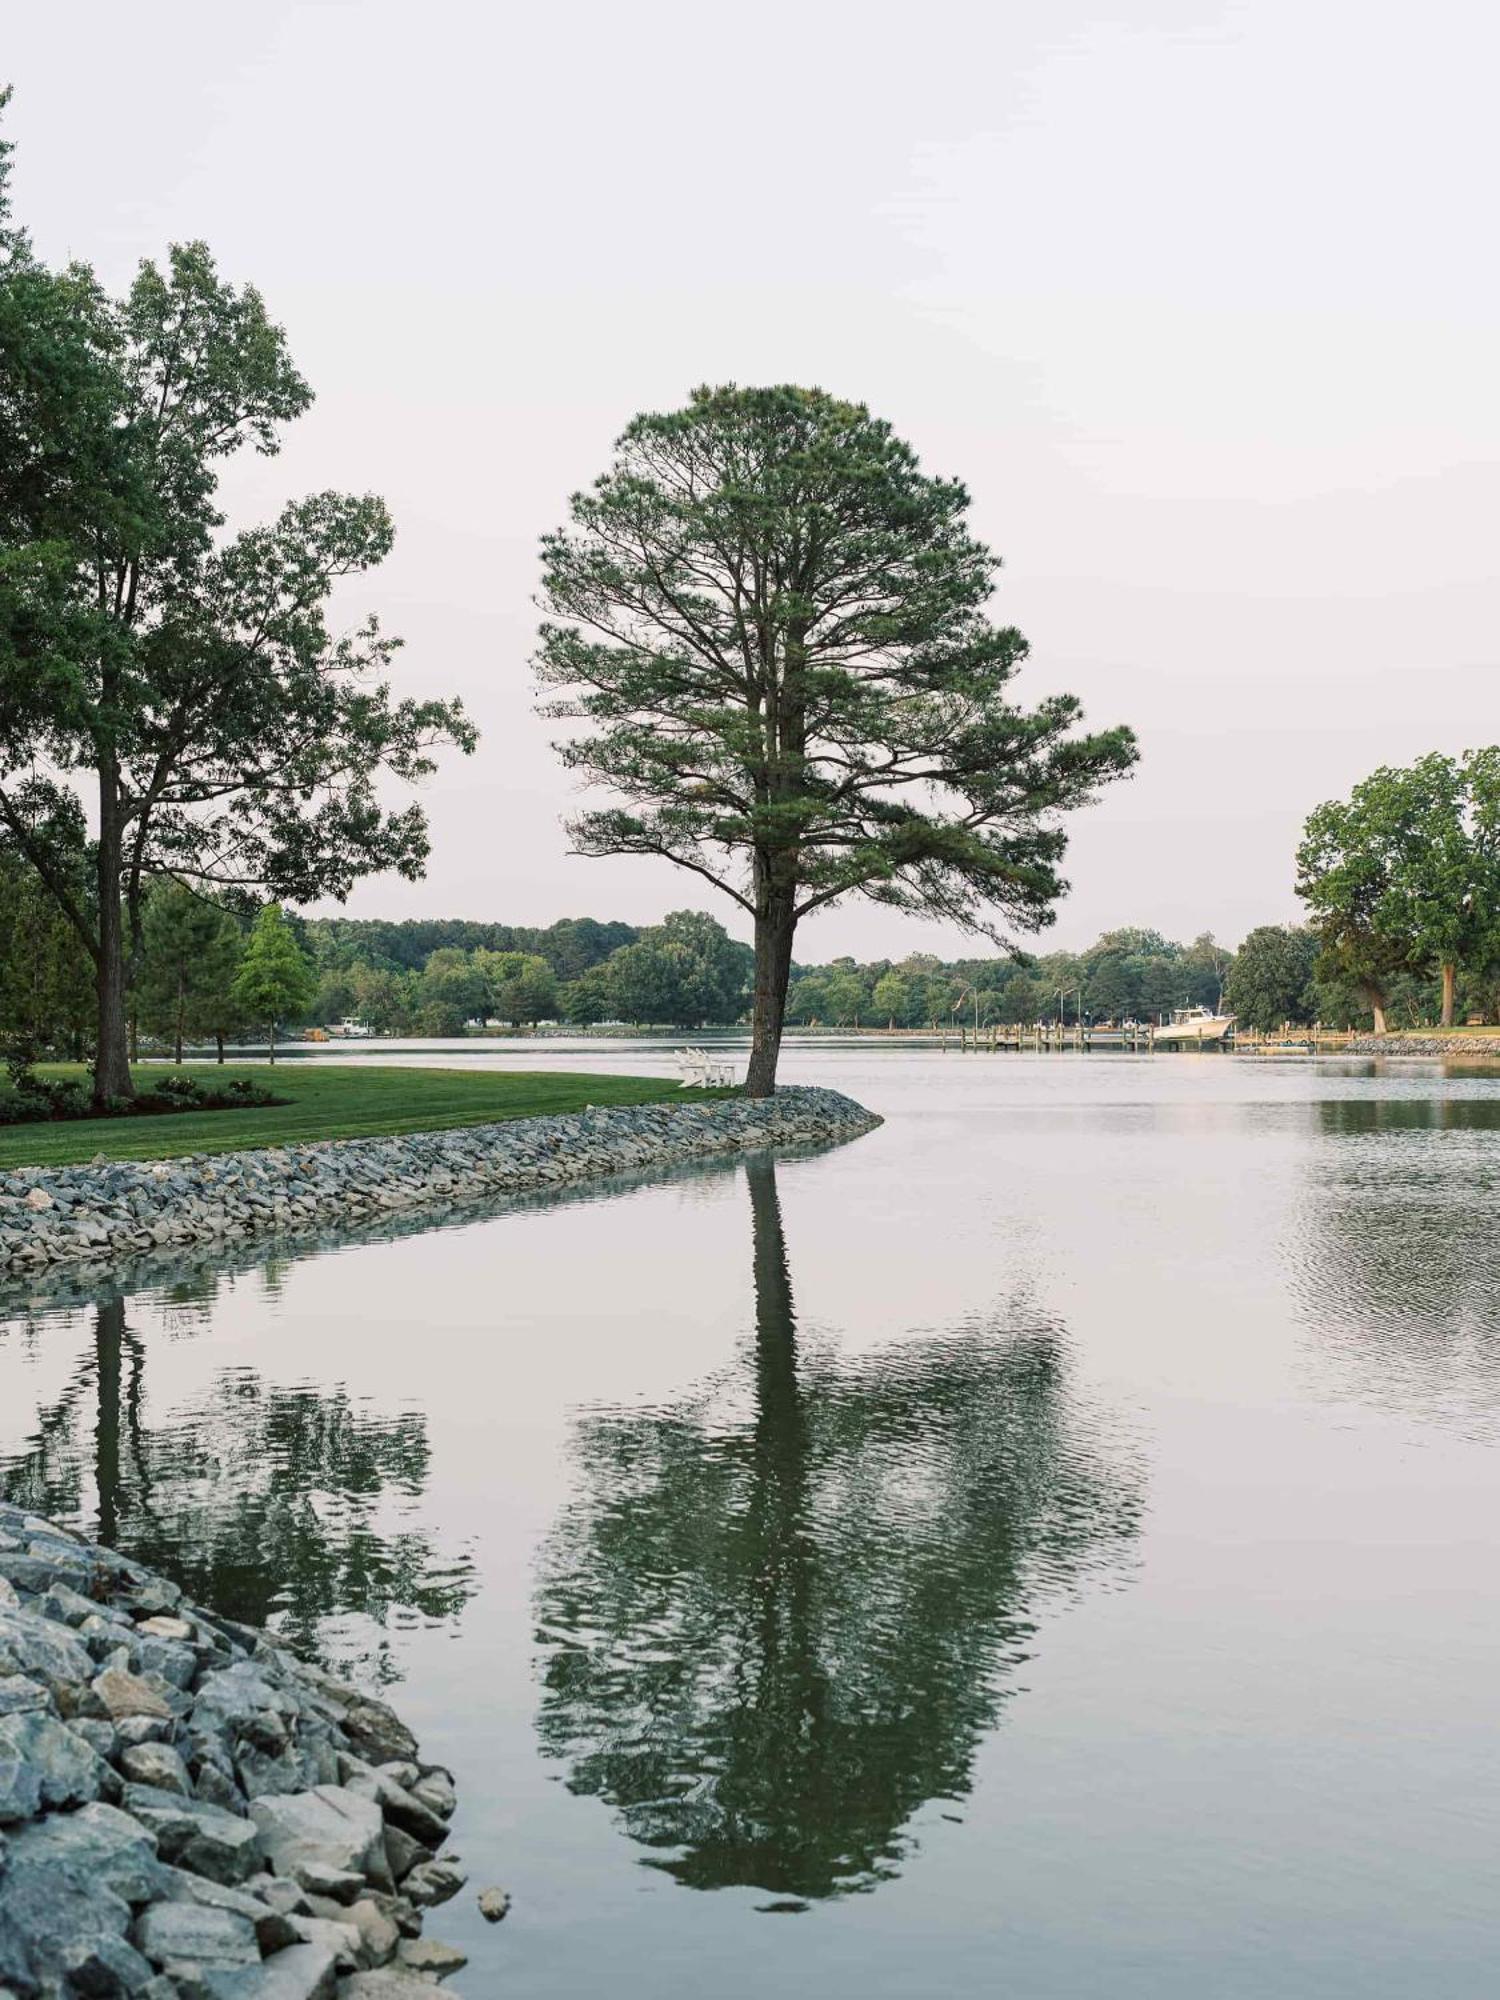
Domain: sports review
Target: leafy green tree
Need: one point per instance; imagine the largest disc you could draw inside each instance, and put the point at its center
(1390, 877)
(588, 998)
(773, 625)
(189, 679)
(1272, 979)
(720, 969)
(46, 984)
(529, 994)
(892, 997)
(452, 991)
(1208, 965)
(384, 1000)
(844, 997)
(276, 980)
(651, 982)
(190, 960)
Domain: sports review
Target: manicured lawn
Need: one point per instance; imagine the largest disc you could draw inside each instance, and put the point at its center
(357, 1101)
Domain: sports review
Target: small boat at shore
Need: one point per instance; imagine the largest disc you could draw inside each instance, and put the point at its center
(1194, 1027)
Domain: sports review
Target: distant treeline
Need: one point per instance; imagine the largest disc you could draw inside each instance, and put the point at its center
(442, 976)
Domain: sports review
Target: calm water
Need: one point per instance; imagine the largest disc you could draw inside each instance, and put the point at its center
(1048, 1546)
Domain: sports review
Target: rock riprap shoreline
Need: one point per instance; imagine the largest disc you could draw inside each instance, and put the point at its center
(1485, 1048)
(56, 1215)
(187, 1812)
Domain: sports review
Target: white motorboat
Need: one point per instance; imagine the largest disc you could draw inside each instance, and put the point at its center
(1194, 1027)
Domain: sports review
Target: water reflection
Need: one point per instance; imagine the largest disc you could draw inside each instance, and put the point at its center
(781, 1613)
(278, 1504)
(1394, 1255)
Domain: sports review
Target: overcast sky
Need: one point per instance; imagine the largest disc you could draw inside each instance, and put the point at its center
(1201, 301)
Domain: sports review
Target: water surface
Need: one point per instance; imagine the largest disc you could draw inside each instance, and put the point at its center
(1048, 1545)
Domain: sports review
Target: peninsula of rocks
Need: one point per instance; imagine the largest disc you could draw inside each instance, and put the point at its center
(187, 1812)
(52, 1216)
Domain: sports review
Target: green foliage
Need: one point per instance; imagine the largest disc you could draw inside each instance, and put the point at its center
(191, 949)
(276, 980)
(1403, 877)
(46, 976)
(1271, 981)
(772, 626)
(190, 678)
(685, 971)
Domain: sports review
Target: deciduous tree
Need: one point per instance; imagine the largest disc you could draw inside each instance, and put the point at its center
(190, 682)
(276, 978)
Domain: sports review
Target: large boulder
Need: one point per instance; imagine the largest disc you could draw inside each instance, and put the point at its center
(44, 1764)
(301, 1972)
(203, 1838)
(183, 1938)
(98, 1844)
(329, 1826)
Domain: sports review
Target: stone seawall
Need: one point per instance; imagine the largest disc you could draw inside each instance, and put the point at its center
(1484, 1048)
(51, 1216)
(187, 1812)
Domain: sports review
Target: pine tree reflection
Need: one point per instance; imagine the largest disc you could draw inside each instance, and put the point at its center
(276, 1505)
(780, 1616)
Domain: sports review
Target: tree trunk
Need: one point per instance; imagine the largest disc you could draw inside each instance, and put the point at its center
(774, 928)
(273, 1041)
(219, 1038)
(1448, 983)
(181, 1010)
(112, 1057)
(1378, 1010)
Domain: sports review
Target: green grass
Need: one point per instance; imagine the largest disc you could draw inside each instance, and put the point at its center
(357, 1102)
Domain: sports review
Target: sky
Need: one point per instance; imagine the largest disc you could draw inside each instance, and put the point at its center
(1200, 301)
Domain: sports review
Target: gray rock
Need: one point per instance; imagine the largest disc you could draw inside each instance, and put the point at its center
(376, 1928)
(18, 1695)
(403, 1853)
(280, 1894)
(329, 1826)
(47, 1652)
(323, 1883)
(273, 1928)
(375, 1733)
(102, 1737)
(132, 1729)
(345, 1941)
(435, 1789)
(17, 1969)
(122, 1694)
(400, 1808)
(43, 1763)
(199, 1837)
(387, 1982)
(71, 1928)
(99, 1844)
(430, 1955)
(301, 1972)
(68, 1606)
(158, 1765)
(175, 1936)
(433, 1882)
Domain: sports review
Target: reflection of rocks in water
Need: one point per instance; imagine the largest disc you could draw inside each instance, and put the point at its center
(781, 1615)
(280, 1506)
(1395, 1254)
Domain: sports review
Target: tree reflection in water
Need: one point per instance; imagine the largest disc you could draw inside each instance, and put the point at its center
(277, 1505)
(780, 1615)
